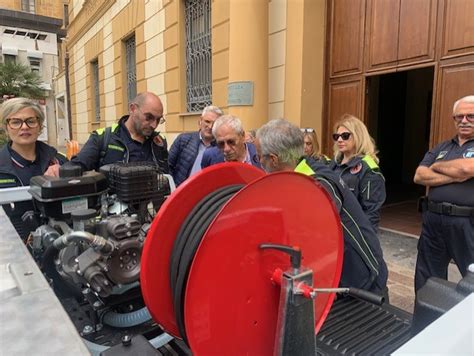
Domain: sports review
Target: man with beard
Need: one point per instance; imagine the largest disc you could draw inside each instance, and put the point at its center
(448, 211)
(230, 144)
(187, 150)
(132, 139)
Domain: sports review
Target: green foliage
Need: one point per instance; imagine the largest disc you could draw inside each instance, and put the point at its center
(19, 81)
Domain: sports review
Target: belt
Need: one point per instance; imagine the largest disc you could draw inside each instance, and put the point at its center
(450, 209)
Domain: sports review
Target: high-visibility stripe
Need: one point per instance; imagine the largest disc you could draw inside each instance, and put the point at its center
(116, 148)
(304, 168)
(370, 162)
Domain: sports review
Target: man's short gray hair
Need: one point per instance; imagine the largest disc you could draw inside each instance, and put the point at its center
(283, 139)
(230, 120)
(214, 109)
(467, 99)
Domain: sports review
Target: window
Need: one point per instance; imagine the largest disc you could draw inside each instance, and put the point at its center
(28, 6)
(198, 54)
(131, 71)
(9, 58)
(35, 65)
(95, 88)
(65, 15)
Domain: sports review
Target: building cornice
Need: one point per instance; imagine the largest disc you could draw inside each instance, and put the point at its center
(90, 13)
(21, 19)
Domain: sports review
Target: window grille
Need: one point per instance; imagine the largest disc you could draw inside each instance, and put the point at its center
(130, 62)
(28, 6)
(35, 65)
(198, 54)
(95, 82)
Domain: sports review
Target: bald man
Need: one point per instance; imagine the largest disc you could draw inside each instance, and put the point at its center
(132, 139)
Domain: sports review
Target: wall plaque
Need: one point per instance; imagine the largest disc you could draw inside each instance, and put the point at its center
(240, 93)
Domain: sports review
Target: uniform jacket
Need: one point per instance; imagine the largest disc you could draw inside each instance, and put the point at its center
(458, 193)
(363, 177)
(363, 266)
(9, 179)
(214, 155)
(89, 157)
(183, 153)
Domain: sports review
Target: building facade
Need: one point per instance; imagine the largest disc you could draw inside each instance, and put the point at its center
(263, 61)
(398, 65)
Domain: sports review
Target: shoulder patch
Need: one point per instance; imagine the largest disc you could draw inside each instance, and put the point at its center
(356, 169)
(441, 154)
(469, 153)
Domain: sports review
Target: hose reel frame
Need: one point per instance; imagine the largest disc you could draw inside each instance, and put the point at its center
(230, 302)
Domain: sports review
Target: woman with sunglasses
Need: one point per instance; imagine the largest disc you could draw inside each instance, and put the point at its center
(311, 146)
(24, 156)
(356, 162)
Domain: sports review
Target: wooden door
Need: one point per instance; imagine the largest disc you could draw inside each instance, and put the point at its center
(382, 34)
(344, 97)
(458, 28)
(347, 19)
(454, 82)
(416, 38)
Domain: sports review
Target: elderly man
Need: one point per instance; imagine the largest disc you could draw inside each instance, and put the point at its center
(132, 139)
(448, 212)
(231, 145)
(187, 150)
(280, 146)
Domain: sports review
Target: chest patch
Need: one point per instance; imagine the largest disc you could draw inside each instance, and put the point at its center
(441, 155)
(356, 169)
(469, 153)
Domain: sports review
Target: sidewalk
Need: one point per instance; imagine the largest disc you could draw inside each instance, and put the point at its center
(400, 255)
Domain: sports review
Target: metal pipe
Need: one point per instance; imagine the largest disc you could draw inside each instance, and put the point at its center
(97, 242)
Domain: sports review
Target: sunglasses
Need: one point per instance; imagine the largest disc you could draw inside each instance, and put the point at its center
(345, 136)
(16, 124)
(221, 144)
(460, 117)
(307, 130)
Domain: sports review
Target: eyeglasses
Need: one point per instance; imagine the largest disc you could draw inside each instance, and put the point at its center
(221, 144)
(460, 117)
(150, 118)
(345, 136)
(307, 130)
(16, 124)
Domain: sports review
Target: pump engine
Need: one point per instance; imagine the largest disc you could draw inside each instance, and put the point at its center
(90, 243)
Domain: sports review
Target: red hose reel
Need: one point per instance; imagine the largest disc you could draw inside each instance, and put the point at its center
(230, 303)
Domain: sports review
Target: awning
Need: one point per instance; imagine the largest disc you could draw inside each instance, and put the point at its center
(34, 54)
(12, 51)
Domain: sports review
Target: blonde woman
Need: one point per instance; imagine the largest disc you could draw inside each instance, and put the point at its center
(311, 146)
(356, 163)
(24, 156)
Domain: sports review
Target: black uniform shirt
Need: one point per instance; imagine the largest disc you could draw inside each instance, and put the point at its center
(24, 168)
(138, 152)
(455, 193)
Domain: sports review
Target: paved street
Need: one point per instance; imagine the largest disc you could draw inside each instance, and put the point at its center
(400, 255)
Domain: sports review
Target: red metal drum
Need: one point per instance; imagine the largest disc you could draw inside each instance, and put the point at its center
(231, 306)
(154, 274)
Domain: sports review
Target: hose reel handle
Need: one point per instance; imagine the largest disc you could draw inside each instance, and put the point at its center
(293, 251)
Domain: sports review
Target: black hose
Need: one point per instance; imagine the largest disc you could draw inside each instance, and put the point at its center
(187, 242)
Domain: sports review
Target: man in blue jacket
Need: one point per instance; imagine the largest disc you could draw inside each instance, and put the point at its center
(280, 148)
(230, 144)
(186, 151)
